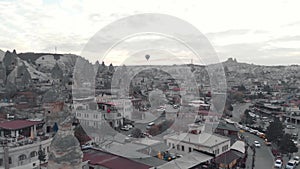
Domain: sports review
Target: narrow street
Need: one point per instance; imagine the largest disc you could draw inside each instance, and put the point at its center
(263, 156)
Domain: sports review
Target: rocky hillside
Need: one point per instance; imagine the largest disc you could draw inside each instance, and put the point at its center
(1, 54)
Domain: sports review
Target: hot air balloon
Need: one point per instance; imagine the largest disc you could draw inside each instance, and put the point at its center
(147, 57)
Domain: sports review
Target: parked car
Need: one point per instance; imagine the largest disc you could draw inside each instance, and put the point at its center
(278, 163)
(252, 131)
(261, 135)
(151, 124)
(295, 142)
(278, 157)
(294, 136)
(290, 127)
(267, 143)
(297, 159)
(257, 144)
(291, 164)
(129, 126)
(125, 128)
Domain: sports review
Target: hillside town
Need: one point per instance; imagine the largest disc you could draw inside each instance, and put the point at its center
(61, 111)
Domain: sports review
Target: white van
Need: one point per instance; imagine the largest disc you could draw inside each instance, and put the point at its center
(291, 164)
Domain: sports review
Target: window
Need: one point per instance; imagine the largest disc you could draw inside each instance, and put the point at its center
(224, 148)
(33, 154)
(1, 161)
(217, 152)
(9, 160)
(190, 149)
(178, 147)
(182, 148)
(22, 157)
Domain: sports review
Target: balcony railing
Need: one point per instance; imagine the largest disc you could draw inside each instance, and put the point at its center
(13, 143)
(112, 116)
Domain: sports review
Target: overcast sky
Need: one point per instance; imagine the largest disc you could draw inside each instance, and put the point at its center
(260, 32)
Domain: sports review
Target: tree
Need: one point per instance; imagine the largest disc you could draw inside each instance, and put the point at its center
(247, 118)
(286, 145)
(136, 133)
(275, 131)
(242, 88)
(238, 96)
(228, 108)
(41, 155)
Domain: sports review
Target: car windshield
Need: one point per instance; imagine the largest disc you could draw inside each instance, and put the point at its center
(278, 162)
(296, 158)
(290, 164)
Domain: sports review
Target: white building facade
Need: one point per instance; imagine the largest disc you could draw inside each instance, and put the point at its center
(187, 142)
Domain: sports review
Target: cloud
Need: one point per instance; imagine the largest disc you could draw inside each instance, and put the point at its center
(287, 38)
(260, 53)
(245, 31)
(227, 33)
(296, 23)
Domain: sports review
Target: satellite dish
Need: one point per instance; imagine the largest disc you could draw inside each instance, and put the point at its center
(147, 57)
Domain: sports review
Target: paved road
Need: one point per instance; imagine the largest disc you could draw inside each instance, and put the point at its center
(263, 158)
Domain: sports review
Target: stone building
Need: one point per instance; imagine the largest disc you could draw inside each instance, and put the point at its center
(10, 61)
(65, 150)
(54, 109)
(197, 139)
(20, 76)
(21, 142)
(57, 74)
(2, 74)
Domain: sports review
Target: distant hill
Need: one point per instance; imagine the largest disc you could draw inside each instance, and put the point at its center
(32, 57)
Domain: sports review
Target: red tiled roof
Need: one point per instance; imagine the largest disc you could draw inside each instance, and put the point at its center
(177, 89)
(18, 124)
(97, 157)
